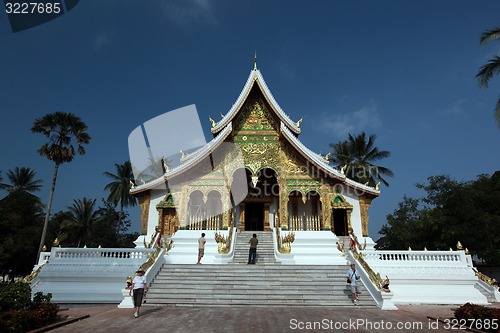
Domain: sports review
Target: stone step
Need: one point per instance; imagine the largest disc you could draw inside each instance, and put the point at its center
(253, 285)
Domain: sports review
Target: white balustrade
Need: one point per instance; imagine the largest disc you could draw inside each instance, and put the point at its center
(76, 254)
(415, 258)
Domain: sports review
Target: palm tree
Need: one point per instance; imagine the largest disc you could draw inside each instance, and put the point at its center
(81, 216)
(22, 180)
(487, 71)
(64, 131)
(119, 189)
(342, 154)
(357, 154)
(2, 185)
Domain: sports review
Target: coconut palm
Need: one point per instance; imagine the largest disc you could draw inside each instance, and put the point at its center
(358, 155)
(342, 154)
(65, 131)
(492, 67)
(22, 180)
(81, 216)
(119, 188)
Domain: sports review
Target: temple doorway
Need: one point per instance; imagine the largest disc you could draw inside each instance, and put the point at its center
(340, 222)
(254, 216)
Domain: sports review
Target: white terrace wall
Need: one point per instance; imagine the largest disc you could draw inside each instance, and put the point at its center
(427, 277)
(75, 275)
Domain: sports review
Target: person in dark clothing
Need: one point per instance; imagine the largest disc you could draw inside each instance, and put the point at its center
(253, 249)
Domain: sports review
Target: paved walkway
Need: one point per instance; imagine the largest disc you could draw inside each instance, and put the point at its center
(109, 319)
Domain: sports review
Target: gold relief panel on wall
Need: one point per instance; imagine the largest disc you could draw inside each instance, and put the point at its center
(292, 164)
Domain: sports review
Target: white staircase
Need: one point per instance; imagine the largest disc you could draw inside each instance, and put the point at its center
(265, 253)
(252, 285)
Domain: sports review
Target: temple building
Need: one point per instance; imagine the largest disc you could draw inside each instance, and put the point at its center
(254, 176)
(285, 184)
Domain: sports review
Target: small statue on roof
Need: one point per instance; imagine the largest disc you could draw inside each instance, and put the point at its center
(212, 121)
(342, 171)
(377, 186)
(131, 183)
(298, 123)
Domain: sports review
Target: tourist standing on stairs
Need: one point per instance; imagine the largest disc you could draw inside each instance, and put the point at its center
(139, 288)
(201, 247)
(353, 279)
(253, 249)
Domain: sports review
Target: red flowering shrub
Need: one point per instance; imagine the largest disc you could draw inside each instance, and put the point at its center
(19, 313)
(481, 314)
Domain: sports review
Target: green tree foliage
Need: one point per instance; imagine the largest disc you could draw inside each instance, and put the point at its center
(119, 189)
(358, 154)
(64, 132)
(67, 227)
(21, 216)
(81, 216)
(450, 211)
(23, 180)
(491, 68)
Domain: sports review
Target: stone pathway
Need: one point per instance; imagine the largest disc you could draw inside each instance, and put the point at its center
(108, 319)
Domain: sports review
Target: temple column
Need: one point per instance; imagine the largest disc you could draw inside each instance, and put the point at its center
(242, 216)
(364, 205)
(266, 217)
(326, 207)
(144, 202)
(183, 204)
(283, 210)
(225, 214)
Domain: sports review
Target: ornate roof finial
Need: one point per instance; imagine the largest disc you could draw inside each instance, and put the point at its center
(255, 61)
(212, 121)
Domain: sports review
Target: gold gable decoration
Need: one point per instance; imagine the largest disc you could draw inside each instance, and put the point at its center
(255, 117)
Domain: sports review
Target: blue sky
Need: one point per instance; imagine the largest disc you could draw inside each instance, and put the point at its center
(404, 70)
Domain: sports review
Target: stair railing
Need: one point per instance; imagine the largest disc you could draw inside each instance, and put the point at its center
(277, 245)
(378, 288)
(151, 266)
(224, 243)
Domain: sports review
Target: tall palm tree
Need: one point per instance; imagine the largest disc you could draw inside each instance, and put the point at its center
(22, 180)
(2, 185)
(358, 154)
(487, 71)
(119, 189)
(65, 131)
(81, 217)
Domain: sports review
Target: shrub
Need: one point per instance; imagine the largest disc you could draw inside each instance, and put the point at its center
(19, 313)
(478, 312)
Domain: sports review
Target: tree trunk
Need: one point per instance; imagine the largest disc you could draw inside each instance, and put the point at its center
(47, 214)
(120, 214)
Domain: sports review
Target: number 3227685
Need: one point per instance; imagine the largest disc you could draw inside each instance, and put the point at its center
(33, 8)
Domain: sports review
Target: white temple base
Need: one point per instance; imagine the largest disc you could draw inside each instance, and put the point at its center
(315, 248)
(185, 247)
(127, 302)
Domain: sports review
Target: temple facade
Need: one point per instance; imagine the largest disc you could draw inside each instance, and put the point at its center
(255, 174)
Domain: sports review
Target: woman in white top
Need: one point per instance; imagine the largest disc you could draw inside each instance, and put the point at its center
(139, 288)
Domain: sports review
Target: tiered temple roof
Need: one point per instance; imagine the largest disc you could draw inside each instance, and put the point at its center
(222, 130)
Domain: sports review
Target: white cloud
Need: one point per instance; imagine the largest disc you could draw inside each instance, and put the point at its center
(101, 40)
(187, 12)
(340, 124)
(456, 109)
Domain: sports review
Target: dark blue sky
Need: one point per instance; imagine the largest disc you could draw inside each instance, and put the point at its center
(403, 70)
